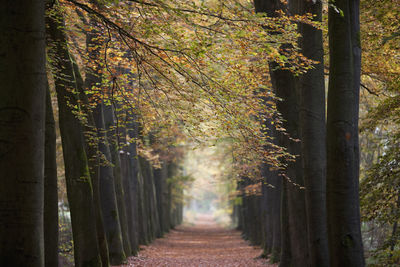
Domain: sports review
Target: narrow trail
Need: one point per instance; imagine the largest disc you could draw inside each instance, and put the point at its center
(205, 244)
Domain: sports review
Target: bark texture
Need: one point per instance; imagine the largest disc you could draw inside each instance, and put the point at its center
(294, 213)
(108, 198)
(345, 244)
(22, 118)
(50, 216)
(79, 186)
(313, 134)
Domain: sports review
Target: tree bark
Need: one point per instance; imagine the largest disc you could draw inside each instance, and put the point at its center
(285, 86)
(284, 83)
(50, 189)
(79, 187)
(22, 119)
(143, 217)
(92, 149)
(112, 137)
(345, 244)
(108, 197)
(313, 135)
(286, 255)
(133, 169)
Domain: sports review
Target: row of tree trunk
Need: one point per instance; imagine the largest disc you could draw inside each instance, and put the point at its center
(309, 214)
(117, 199)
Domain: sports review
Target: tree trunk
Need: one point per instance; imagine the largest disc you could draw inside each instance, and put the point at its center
(345, 244)
(266, 212)
(108, 197)
(143, 217)
(160, 185)
(313, 135)
(285, 87)
(22, 119)
(128, 201)
(92, 149)
(276, 192)
(79, 187)
(133, 169)
(50, 189)
(112, 137)
(286, 257)
(272, 196)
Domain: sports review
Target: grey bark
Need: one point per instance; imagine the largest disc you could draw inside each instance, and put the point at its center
(112, 137)
(272, 198)
(92, 148)
(285, 87)
(276, 219)
(143, 217)
(286, 255)
(160, 185)
(50, 215)
(79, 187)
(151, 200)
(313, 135)
(108, 197)
(22, 118)
(132, 166)
(345, 244)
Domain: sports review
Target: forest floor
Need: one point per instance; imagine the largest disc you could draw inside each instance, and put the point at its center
(204, 244)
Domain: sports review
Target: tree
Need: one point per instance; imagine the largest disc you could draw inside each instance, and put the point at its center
(294, 225)
(79, 187)
(311, 94)
(107, 180)
(345, 244)
(22, 119)
(50, 215)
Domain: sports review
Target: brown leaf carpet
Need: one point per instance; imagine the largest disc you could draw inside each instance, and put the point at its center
(204, 244)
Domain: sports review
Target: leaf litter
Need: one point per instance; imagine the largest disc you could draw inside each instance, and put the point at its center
(201, 245)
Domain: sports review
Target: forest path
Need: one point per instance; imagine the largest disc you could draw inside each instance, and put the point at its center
(205, 244)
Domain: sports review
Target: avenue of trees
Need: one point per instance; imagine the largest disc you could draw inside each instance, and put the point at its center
(99, 99)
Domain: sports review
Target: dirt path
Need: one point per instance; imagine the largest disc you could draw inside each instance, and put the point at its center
(205, 244)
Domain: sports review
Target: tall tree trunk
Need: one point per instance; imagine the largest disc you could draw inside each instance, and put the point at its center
(112, 137)
(313, 135)
(284, 84)
(79, 187)
(160, 184)
(272, 196)
(22, 118)
(128, 200)
(92, 149)
(286, 254)
(276, 218)
(143, 217)
(285, 87)
(345, 244)
(132, 165)
(108, 197)
(50, 189)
